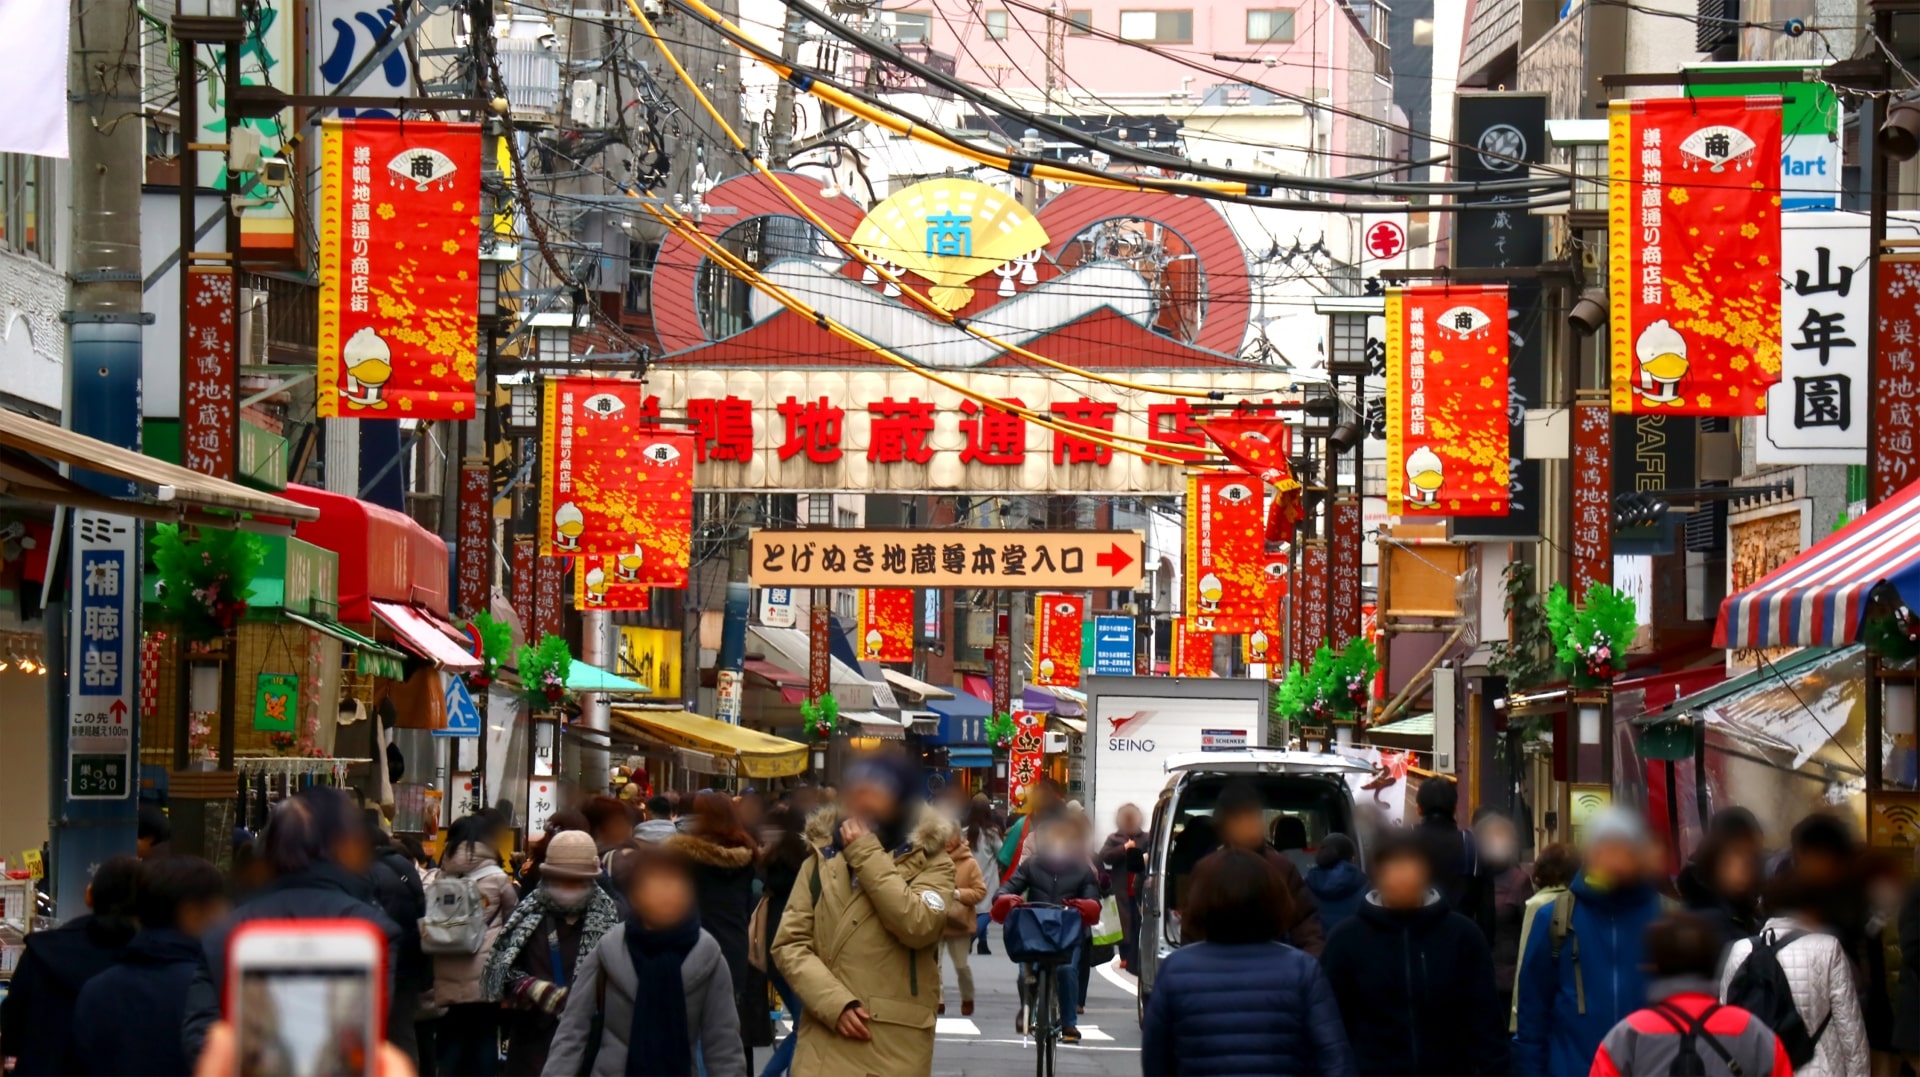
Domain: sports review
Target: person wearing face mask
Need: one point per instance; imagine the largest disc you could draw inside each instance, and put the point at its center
(540, 951)
(1058, 873)
(1510, 887)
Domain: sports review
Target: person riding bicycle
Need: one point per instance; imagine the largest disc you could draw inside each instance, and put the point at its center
(1058, 873)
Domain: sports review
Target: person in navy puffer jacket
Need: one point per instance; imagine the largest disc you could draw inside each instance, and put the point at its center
(1568, 1004)
(1240, 1001)
(1337, 882)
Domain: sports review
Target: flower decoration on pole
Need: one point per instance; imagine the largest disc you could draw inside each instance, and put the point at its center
(1893, 636)
(820, 715)
(544, 669)
(1336, 686)
(1000, 730)
(205, 581)
(282, 741)
(491, 641)
(1590, 643)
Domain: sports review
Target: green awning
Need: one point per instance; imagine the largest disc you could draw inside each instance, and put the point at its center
(1420, 725)
(374, 657)
(1765, 676)
(582, 677)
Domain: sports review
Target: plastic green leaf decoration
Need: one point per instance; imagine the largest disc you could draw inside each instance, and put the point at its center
(496, 645)
(1590, 642)
(544, 669)
(821, 715)
(1291, 699)
(999, 729)
(205, 580)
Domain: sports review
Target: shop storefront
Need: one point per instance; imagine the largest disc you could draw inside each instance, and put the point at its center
(709, 752)
(959, 746)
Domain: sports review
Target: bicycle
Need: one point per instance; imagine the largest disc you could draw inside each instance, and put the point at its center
(1042, 937)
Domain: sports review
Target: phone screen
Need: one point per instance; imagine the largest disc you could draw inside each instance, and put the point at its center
(306, 1022)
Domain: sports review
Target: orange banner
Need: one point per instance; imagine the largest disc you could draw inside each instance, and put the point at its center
(399, 269)
(1266, 644)
(886, 624)
(1026, 757)
(1057, 623)
(613, 484)
(1263, 446)
(1448, 433)
(1693, 254)
(1192, 649)
(1226, 551)
(610, 583)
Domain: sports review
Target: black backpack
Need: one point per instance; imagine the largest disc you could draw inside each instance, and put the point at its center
(1693, 1030)
(1761, 988)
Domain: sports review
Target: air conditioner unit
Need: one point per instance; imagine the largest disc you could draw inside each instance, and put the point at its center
(1053, 743)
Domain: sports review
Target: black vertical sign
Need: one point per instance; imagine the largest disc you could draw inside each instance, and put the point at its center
(1652, 454)
(1499, 135)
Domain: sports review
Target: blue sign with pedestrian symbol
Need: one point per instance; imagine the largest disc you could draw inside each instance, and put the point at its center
(463, 718)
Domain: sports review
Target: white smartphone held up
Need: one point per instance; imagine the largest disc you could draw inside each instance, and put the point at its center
(306, 998)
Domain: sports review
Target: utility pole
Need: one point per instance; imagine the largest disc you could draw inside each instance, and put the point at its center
(1056, 56)
(780, 133)
(107, 134)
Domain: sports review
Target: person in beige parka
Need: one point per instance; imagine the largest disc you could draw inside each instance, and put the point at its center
(861, 935)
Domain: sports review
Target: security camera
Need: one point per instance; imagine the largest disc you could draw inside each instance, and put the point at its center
(653, 8)
(1899, 136)
(1590, 313)
(276, 171)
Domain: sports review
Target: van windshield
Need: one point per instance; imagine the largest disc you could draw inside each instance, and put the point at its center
(1300, 812)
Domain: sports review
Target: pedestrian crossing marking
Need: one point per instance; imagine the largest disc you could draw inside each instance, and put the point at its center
(955, 1026)
(1092, 1034)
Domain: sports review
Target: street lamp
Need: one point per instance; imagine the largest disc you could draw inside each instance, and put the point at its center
(553, 337)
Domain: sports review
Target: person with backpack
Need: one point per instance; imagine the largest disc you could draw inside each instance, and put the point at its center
(1583, 968)
(1337, 882)
(468, 902)
(1685, 1031)
(1552, 871)
(1796, 978)
(540, 951)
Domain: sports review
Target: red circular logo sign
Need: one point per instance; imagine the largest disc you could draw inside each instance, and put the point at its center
(1386, 239)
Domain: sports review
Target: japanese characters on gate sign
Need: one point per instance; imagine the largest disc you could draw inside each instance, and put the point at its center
(474, 542)
(614, 483)
(1057, 623)
(1592, 494)
(1818, 412)
(208, 415)
(399, 269)
(1896, 456)
(885, 632)
(1693, 254)
(102, 675)
(1448, 433)
(1226, 551)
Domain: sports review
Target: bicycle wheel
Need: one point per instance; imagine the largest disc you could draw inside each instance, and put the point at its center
(1046, 1031)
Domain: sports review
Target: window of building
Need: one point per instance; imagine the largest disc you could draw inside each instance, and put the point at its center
(1164, 27)
(996, 25)
(1269, 24)
(1079, 21)
(846, 519)
(26, 213)
(911, 26)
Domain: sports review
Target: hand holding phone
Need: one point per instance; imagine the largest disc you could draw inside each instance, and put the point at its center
(305, 998)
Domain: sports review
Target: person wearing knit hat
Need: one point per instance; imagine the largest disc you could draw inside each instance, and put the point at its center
(1586, 971)
(863, 926)
(545, 944)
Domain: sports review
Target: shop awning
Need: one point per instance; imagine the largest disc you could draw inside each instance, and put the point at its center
(1072, 725)
(977, 685)
(970, 758)
(384, 555)
(426, 635)
(787, 647)
(582, 677)
(759, 755)
(875, 724)
(915, 686)
(784, 678)
(1420, 725)
(390, 659)
(168, 491)
(1794, 706)
(1817, 599)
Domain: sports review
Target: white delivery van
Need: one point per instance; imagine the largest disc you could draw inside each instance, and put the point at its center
(1136, 724)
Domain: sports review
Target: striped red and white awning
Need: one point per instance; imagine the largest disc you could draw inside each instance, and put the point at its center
(1817, 598)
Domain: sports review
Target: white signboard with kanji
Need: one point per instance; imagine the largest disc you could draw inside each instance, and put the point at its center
(1817, 414)
(101, 662)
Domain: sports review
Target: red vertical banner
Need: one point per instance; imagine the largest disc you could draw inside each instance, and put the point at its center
(473, 540)
(1002, 668)
(1026, 757)
(549, 598)
(1192, 649)
(399, 269)
(885, 628)
(1226, 551)
(1448, 432)
(1592, 531)
(1693, 254)
(819, 650)
(610, 583)
(614, 483)
(1343, 559)
(208, 417)
(1308, 590)
(525, 585)
(1895, 454)
(1057, 624)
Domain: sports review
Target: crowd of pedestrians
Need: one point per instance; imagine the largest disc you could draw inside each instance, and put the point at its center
(658, 936)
